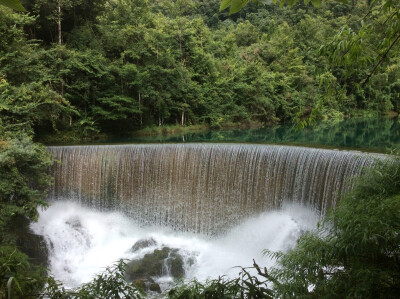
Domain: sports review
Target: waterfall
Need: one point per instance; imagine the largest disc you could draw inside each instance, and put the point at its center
(204, 188)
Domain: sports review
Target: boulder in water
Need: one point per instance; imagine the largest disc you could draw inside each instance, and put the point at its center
(139, 284)
(175, 264)
(143, 243)
(146, 285)
(166, 261)
(155, 287)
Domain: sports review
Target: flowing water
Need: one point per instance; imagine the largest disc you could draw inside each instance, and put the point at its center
(220, 205)
(82, 241)
(203, 188)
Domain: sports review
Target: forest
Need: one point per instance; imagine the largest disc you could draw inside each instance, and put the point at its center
(76, 70)
(84, 68)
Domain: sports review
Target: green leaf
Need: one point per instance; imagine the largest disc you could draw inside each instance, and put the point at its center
(224, 4)
(14, 4)
(237, 5)
(9, 283)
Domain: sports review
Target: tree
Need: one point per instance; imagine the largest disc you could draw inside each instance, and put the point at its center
(23, 185)
(351, 48)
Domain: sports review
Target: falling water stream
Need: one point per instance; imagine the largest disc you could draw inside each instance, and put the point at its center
(219, 204)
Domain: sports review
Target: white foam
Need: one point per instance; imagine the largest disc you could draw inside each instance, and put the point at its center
(82, 242)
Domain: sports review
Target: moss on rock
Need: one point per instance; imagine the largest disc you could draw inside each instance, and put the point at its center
(165, 261)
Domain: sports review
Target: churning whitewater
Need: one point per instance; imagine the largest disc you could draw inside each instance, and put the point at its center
(82, 242)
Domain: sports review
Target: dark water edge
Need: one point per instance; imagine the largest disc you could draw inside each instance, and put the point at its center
(364, 134)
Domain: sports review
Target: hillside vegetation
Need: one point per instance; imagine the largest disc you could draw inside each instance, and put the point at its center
(82, 68)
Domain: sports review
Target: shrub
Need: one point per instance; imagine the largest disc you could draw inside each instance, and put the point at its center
(356, 250)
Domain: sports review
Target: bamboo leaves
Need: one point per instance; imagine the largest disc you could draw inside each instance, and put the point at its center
(14, 4)
(9, 283)
(236, 5)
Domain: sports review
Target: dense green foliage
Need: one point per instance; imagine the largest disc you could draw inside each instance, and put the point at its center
(109, 284)
(236, 5)
(23, 163)
(23, 178)
(84, 68)
(23, 183)
(245, 286)
(18, 277)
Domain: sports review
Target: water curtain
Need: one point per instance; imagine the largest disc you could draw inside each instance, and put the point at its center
(202, 188)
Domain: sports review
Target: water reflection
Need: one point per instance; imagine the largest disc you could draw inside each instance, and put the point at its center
(372, 134)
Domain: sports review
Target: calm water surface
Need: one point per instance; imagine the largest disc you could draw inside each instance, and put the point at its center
(369, 134)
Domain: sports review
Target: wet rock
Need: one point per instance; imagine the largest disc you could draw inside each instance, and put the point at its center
(162, 262)
(175, 264)
(146, 285)
(139, 284)
(150, 265)
(155, 287)
(143, 243)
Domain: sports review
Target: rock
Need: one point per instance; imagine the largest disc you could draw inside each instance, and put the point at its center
(144, 285)
(155, 287)
(143, 243)
(139, 284)
(166, 261)
(150, 265)
(175, 264)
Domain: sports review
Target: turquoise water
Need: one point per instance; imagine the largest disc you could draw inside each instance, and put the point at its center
(369, 134)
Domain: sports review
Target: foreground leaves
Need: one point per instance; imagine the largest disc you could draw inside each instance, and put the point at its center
(14, 4)
(247, 285)
(236, 5)
(109, 284)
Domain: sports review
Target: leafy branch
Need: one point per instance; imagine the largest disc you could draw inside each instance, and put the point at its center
(383, 57)
(236, 5)
(14, 4)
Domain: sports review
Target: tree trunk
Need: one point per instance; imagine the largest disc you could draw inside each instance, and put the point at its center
(180, 40)
(60, 39)
(140, 112)
(59, 22)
